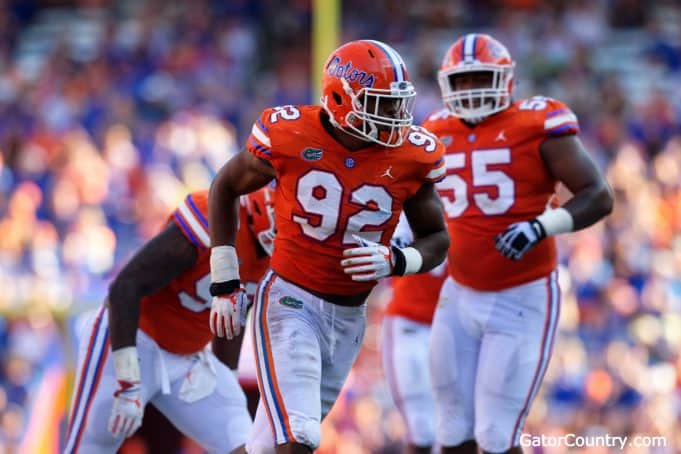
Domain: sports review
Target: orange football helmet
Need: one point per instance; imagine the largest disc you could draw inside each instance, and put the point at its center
(260, 208)
(475, 53)
(367, 92)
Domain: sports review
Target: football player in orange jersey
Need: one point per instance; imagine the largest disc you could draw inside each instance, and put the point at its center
(495, 324)
(344, 172)
(405, 341)
(157, 312)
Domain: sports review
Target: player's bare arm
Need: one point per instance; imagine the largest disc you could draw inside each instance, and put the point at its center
(162, 259)
(569, 163)
(426, 219)
(242, 174)
(155, 265)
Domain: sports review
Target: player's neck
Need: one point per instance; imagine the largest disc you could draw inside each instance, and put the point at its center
(346, 140)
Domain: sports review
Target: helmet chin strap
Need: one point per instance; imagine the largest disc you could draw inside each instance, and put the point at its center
(333, 121)
(373, 130)
(350, 119)
(353, 98)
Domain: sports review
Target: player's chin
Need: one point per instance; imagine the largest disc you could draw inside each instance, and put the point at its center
(392, 135)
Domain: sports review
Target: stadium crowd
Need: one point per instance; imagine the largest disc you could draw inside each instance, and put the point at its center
(109, 115)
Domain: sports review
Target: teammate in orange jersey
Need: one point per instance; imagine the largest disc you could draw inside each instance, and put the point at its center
(163, 359)
(494, 327)
(344, 172)
(405, 342)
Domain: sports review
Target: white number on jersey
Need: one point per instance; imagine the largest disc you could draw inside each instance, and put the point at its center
(534, 103)
(482, 176)
(320, 194)
(440, 115)
(422, 138)
(454, 207)
(202, 291)
(284, 112)
(363, 196)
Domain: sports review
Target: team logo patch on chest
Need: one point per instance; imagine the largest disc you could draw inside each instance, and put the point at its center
(349, 163)
(312, 154)
(291, 302)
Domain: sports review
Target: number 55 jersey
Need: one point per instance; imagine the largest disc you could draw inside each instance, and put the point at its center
(495, 176)
(326, 193)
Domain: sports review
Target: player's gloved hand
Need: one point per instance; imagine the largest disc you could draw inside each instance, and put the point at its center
(520, 238)
(371, 261)
(230, 303)
(228, 313)
(368, 262)
(127, 412)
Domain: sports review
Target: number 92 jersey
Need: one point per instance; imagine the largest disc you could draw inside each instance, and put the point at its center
(325, 193)
(176, 316)
(495, 176)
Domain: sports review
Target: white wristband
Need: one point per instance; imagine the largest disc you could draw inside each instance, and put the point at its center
(224, 264)
(126, 364)
(556, 221)
(412, 260)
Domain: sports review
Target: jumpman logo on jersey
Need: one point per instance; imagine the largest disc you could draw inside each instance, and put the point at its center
(500, 137)
(387, 173)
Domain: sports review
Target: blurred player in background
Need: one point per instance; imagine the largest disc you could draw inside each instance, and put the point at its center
(157, 326)
(405, 346)
(494, 328)
(344, 172)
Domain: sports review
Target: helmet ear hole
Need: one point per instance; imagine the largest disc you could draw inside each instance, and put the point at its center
(337, 98)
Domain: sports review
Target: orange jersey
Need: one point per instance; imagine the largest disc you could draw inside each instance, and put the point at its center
(415, 296)
(495, 177)
(325, 193)
(176, 316)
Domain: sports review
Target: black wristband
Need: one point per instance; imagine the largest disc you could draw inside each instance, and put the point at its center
(400, 265)
(224, 288)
